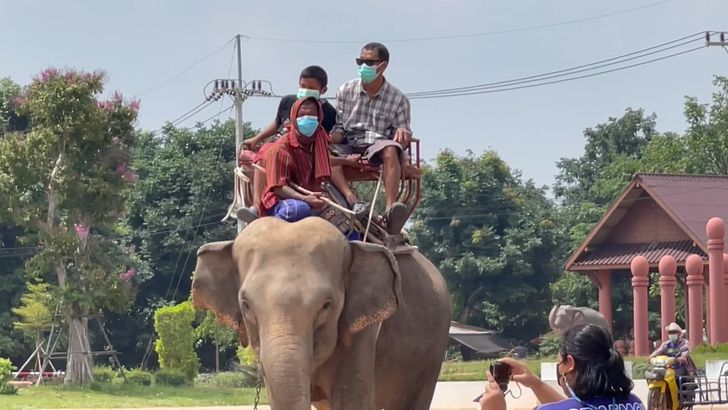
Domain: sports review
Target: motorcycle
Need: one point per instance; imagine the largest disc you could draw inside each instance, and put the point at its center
(667, 391)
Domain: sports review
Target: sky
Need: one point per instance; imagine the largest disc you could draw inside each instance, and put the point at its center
(148, 46)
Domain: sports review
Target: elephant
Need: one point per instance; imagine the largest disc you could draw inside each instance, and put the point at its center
(337, 324)
(565, 317)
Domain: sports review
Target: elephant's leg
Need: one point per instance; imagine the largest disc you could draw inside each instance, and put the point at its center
(423, 397)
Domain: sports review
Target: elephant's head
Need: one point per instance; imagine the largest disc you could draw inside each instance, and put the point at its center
(563, 317)
(295, 292)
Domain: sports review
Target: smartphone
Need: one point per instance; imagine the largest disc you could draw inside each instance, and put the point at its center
(501, 373)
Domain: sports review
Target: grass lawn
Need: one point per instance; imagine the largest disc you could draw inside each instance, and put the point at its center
(476, 370)
(112, 395)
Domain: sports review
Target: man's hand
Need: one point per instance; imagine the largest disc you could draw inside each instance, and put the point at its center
(403, 137)
(251, 143)
(314, 200)
(353, 161)
(493, 399)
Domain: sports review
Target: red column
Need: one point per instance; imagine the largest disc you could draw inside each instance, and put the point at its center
(694, 267)
(640, 282)
(715, 228)
(668, 268)
(605, 295)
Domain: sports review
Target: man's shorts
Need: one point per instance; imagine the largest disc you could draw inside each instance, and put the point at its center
(371, 153)
(291, 210)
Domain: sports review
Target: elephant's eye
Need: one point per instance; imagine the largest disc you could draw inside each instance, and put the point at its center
(246, 306)
(326, 305)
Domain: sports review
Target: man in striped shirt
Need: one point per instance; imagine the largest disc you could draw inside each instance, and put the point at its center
(372, 123)
(299, 157)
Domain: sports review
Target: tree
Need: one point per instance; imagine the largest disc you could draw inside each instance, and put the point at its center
(12, 251)
(70, 199)
(624, 137)
(36, 314)
(185, 187)
(221, 336)
(493, 237)
(707, 135)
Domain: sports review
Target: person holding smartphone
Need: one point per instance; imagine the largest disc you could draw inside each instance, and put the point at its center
(590, 373)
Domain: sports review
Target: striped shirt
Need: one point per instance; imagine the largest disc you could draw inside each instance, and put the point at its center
(289, 161)
(364, 120)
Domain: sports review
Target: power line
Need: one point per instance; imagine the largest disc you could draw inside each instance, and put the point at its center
(576, 69)
(186, 70)
(425, 96)
(468, 35)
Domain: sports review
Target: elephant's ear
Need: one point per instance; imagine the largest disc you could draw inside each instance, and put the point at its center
(216, 284)
(578, 315)
(373, 289)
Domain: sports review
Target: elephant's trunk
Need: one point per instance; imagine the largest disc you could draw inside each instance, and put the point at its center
(552, 317)
(287, 364)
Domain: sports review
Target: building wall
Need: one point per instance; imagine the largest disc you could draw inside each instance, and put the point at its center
(645, 222)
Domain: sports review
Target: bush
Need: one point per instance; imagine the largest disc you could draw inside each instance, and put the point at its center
(139, 377)
(549, 346)
(246, 355)
(6, 374)
(169, 377)
(720, 348)
(176, 343)
(246, 378)
(104, 374)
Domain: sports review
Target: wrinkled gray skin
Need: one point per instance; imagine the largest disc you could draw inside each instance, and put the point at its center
(564, 317)
(341, 325)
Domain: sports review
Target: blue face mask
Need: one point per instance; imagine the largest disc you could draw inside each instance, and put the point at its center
(307, 124)
(367, 73)
(307, 92)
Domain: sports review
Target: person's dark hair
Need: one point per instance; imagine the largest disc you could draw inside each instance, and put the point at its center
(381, 50)
(599, 368)
(317, 73)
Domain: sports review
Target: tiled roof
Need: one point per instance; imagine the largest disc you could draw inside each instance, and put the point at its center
(689, 200)
(694, 199)
(621, 255)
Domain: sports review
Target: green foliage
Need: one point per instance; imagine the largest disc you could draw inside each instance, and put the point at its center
(719, 348)
(575, 290)
(246, 355)
(246, 378)
(175, 345)
(36, 309)
(6, 374)
(495, 239)
(211, 329)
(185, 180)
(550, 345)
(139, 377)
(170, 377)
(104, 374)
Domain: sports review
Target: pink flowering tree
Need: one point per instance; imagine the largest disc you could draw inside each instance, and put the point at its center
(65, 182)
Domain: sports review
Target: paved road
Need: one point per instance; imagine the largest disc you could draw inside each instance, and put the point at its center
(457, 396)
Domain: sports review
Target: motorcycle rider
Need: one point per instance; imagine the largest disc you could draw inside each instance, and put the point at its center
(676, 346)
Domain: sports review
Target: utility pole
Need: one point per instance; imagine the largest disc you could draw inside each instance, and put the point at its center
(239, 91)
(710, 42)
(239, 110)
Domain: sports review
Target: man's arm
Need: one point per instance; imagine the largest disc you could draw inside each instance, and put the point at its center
(266, 132)
(286, 192)
(401, 123)
(660, 350)
(337, 133)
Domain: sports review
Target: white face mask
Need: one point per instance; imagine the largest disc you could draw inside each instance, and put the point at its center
(673, 337)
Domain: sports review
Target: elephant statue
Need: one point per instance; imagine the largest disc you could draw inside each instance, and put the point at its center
(336, 324)
(564, 317)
